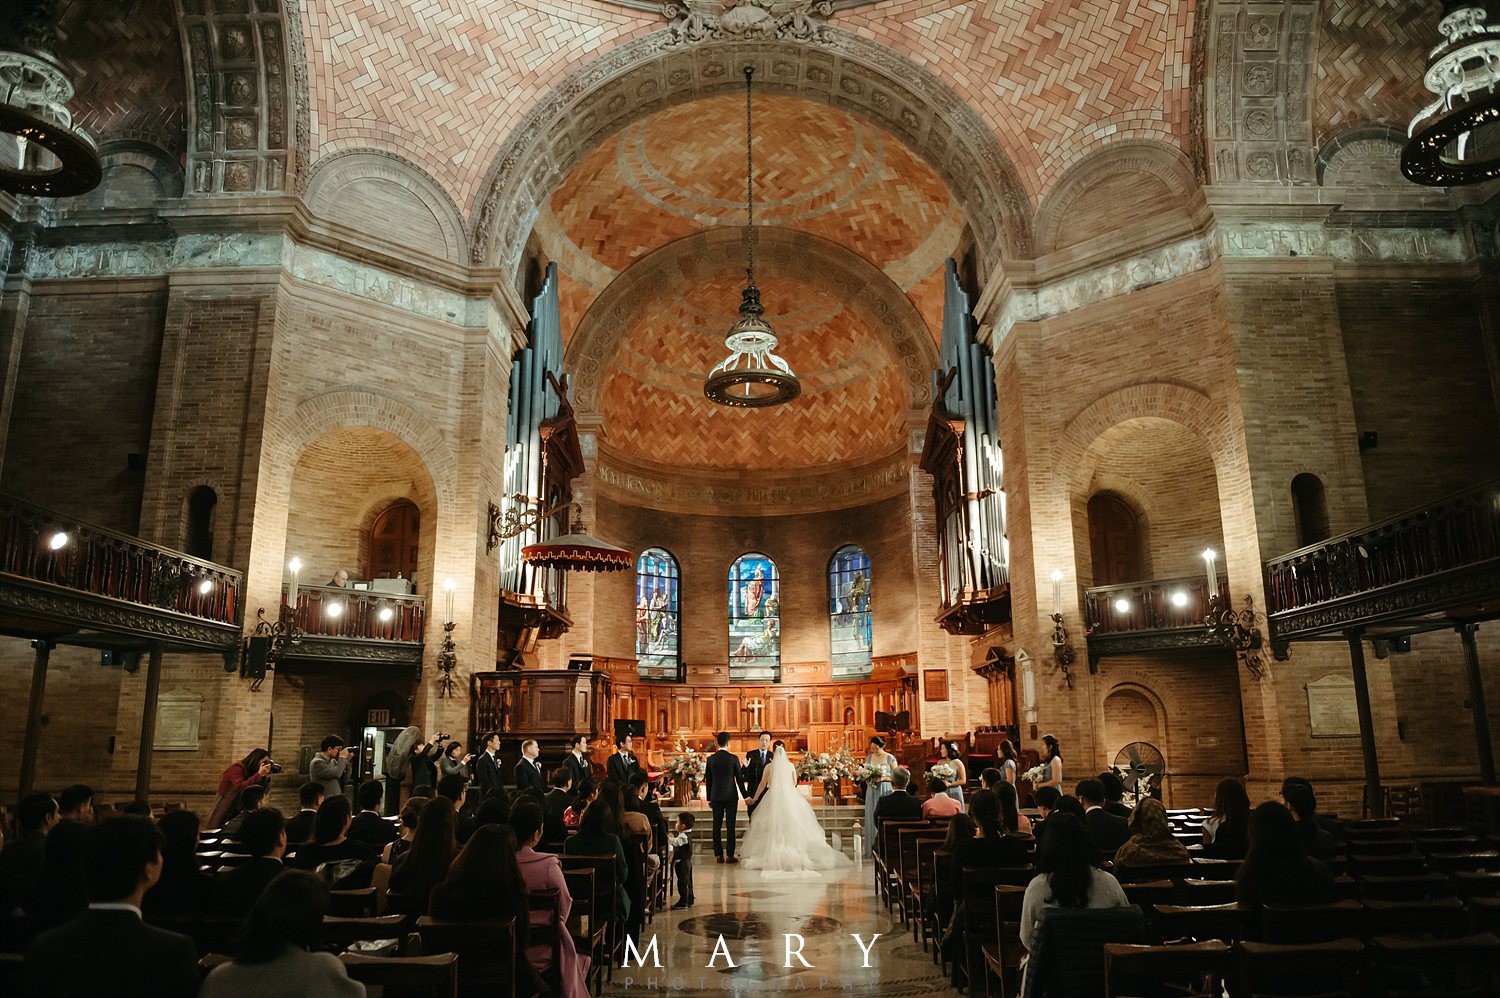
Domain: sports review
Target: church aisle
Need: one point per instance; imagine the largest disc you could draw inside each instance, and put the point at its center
(754, 917)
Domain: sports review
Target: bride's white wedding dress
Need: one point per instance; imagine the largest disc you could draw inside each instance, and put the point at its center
(785, 838)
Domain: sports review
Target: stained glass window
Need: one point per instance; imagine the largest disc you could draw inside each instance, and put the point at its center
(658, 640)
(754, 619)
(850, 629)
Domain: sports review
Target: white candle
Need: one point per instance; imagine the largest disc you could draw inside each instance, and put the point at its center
(1213, 572)
(448, 585)
(1056, 591)
(295, 566)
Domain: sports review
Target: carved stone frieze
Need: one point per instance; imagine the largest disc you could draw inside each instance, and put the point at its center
(670, 489)
(320, 267)
(355, 650)
(1344, 243)
(711, 20)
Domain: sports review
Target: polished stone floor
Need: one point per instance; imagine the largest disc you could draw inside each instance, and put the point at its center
(754, 916)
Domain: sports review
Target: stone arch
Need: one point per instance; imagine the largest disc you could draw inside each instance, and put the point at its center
(248, 119)
(136, 174)
(846, 71)
(1137, 693)
(353, 406)
(1190, 407)
(399, 200)
(1366, 155)
(899, 326)
(1135, 180)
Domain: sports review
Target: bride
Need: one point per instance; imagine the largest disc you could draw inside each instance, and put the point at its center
(785, 839)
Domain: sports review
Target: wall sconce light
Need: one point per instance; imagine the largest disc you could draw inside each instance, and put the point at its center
(1063, 655)
(58, 540)
(447, 661)
(1236, 630)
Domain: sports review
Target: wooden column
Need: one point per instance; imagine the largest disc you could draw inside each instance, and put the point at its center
(148, 724)
(43, 649)
(1374, 797)
(1476, 702)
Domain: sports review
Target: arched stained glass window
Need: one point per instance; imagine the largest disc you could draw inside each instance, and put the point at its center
(754, 620)
(850, 630)
(658, 639)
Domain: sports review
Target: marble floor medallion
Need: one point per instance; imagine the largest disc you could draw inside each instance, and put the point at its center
(746, 936)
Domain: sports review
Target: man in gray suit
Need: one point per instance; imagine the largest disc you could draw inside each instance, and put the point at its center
(329, 766)
(723, 773)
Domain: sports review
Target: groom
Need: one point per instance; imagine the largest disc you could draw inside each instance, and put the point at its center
(756, 761)
(723, 795)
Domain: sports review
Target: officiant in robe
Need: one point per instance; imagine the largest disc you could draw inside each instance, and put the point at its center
(756, 761)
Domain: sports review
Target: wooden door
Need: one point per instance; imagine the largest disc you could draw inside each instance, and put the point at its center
(393, 541)
(1114, 541)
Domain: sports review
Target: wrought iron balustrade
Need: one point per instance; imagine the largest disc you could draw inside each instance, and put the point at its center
(1149, 618)
(1424, 561)
(64, 569)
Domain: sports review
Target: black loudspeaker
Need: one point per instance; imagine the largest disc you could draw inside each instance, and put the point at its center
(634, 727)
(254, 664)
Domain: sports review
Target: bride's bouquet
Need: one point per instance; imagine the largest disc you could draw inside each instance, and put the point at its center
(943, 771)
(1035, 774)
(864, 772)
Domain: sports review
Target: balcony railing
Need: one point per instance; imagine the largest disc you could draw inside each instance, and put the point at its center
(340, 623)
(1155, 615)
(1425, 560)
(62, 569)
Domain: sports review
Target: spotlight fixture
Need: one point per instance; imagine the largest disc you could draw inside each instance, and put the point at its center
(58, 540)
(1122, 605)
(334, 610)
(47, 155)
(205, 587)
(1455, 140)
(752, 376)
(386, 614)
(1179, 599)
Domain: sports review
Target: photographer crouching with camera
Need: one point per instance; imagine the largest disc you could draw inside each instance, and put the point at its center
(252, 771)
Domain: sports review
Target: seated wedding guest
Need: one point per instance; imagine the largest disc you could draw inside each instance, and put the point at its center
(1150, 843)
(1010, 815)
(938, 804)
(596, 837)
(543, 871)
(642, 798)
(369, 825)
(990, 778)
(1226, 832)
(492, 809)
(280, 950)
(77, 803)
(946, 895)
(137, 809)
(411, 814)
(484, 881)
(342, 863)
(251, 798)
(556, 804)
(574, 814)
(1109, 831)
(992, 844)
(263, 835)
(107, 949)
(1114, 794)
(183, 886)
(422, 791)
(900, 804)
(300, 825)
(22, 858)
(1277, 869)
(1317, 835)
(1066, 876)
(422, 867)
(61, 889)
(455, 787)
(634, 832)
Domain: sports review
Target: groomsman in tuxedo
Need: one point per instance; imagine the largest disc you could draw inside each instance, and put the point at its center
(579, 766)
(529, 779)
(623, 763)
(724, 787)
(487, 768)
(756, 761)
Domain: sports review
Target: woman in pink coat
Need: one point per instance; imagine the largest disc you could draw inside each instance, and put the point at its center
(543, 871)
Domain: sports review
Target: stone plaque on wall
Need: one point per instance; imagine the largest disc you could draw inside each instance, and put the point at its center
(1331, 710)
(178, 714)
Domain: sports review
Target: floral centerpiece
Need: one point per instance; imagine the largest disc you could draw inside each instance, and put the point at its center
(814, 766)
(1035, 775)
(687, 767)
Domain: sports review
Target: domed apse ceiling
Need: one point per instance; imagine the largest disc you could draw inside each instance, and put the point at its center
(817, 170)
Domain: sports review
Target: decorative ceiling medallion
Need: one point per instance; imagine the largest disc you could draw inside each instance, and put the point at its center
(694, 21)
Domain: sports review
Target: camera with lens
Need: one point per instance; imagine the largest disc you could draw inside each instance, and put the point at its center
(441, 737)
(275, 767)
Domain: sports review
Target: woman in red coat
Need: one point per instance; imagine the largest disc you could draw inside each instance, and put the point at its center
(253, 770)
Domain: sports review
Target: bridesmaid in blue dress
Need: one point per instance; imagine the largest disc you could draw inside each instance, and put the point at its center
(877, 787)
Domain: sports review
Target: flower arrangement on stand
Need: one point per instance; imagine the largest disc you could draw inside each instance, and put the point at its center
(687, 767)
(1132, 798)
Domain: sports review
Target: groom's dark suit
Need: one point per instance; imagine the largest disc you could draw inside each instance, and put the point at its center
(756, 762)
(723, 773)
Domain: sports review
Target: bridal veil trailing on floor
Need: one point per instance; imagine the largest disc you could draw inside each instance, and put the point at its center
(785, 840)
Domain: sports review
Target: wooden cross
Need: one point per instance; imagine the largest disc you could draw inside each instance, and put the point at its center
(755, 707)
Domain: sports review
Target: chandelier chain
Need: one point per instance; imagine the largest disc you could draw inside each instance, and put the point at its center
(749, 180)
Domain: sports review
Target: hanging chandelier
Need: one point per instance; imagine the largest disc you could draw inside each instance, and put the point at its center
(1456, 140)
(752, 376)
(45, 155)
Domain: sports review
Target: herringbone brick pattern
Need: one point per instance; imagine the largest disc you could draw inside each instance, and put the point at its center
(1372, 55)
(853, 396)
(444, 81)
(126, 65)
(1055, 79)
